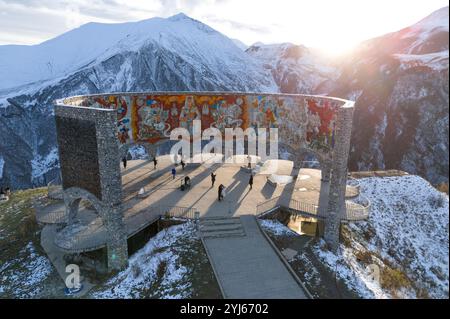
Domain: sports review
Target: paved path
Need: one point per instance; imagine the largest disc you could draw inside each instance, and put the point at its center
(244, 262)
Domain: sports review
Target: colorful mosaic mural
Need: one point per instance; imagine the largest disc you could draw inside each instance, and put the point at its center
(301, 120)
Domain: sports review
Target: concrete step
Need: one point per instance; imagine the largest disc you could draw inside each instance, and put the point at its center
(211, 218)
(229, 221)
(223, 233)
(220, 227)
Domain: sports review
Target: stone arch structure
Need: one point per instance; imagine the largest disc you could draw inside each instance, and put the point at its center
(318, 124)
(111, 219)
(73, 197)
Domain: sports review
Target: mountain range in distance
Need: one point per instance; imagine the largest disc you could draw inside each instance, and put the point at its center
(399, 82)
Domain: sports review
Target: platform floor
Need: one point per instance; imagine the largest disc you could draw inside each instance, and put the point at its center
(162, 190)
(239, 198)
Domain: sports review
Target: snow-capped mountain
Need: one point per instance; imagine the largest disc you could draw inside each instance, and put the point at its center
(177, 53)
(294, 67)
(401, 86)
(400, 83)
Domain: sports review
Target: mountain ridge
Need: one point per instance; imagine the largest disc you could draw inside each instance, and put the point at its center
(183, 54)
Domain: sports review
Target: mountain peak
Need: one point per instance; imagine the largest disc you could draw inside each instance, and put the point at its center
(437, 19)
(179, 16)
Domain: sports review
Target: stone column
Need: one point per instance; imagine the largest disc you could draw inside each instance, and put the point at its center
(338, 181)
(324, 187)
(326, 171)
(116, 239)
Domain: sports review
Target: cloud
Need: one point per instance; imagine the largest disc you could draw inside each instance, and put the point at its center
(240, 26)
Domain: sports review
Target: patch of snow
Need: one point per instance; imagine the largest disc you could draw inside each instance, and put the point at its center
(411, 221)
(144, 264)
(276, 228)
(347, 269)
(2, 164)
(23, 276)
(437, 60)
(42, 164)
(138, 152)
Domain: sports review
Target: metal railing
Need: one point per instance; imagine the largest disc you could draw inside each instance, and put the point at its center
(353, 182)
(87, 240)
(354, 211)
(58, 217)
(54, 190)
(358, 210)
(304, 208)
(178, 212)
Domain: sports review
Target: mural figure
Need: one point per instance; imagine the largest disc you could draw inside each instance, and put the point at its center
(189, 113)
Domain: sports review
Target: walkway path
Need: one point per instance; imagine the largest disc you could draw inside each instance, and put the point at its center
(245, 264)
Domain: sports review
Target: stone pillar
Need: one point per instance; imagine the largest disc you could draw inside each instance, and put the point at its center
(338, 181)
(326, 171)
(117, 247)
(324, 188)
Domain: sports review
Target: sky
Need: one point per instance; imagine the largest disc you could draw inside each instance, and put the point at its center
(334, 26)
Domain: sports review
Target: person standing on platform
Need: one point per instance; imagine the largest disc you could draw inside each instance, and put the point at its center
(124, 161)
(250, 181)
(155, 162)
(174, 172)
(221, 187)
(213, 179)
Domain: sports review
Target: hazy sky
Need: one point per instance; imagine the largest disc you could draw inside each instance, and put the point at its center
(333, 25)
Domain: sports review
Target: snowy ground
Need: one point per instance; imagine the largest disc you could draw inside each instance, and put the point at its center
(164, 269)
(24, 276)
(173, 264)
(276, 228)
(25, 271)
(407, 232)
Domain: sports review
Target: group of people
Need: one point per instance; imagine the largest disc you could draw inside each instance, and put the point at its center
(187, 180)
(125, 160)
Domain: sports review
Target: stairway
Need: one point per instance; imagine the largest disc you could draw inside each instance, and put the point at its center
(219, 227)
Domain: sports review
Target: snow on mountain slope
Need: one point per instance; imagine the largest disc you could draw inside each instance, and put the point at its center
(426, 36)
(407, 231)
(436, 61)
(173, 54)
(428, 30)
(400, 82)
(93, 43)
(294, 67)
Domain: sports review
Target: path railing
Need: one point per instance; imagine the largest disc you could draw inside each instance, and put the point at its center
(354, 183)
(87, 240)
(354, 211)
(54, 190)
(56, 217)
(358, 210)
(307, 209)
(178, 212)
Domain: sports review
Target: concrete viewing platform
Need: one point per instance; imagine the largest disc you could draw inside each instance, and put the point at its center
(162, 194)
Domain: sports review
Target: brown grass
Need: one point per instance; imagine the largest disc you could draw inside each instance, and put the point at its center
(364, 256)
(393, 279)
(442, 187)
